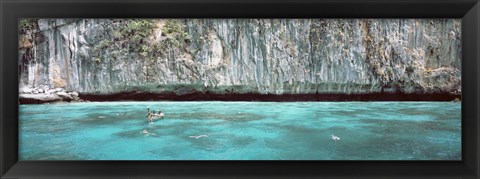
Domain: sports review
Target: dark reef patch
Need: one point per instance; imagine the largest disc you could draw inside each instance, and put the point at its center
(242, 141)
(130, 133)
(105, 119)
(213, 116)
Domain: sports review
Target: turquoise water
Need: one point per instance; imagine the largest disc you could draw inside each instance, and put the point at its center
(241, 131)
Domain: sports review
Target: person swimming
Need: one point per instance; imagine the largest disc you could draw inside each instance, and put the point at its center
(152, 114)
(196, 137)
(160, 113)
(149, 115)
(334, 137)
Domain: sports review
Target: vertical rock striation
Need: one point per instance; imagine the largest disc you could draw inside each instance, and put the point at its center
(263, 56)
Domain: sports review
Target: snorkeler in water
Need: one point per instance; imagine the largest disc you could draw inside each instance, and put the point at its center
(334, 137)
(160, 113)
(149, 115)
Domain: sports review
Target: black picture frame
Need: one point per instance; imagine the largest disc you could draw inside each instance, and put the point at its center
(467, 10)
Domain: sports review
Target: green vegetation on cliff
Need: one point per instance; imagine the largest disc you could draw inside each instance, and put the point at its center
(26, 28)
(138, 36)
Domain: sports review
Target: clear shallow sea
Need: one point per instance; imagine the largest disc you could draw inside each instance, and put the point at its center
(241, 131)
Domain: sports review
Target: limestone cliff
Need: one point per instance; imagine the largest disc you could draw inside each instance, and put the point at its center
(264, 56)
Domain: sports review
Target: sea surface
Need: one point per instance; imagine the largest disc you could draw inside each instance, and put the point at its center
(241, 131)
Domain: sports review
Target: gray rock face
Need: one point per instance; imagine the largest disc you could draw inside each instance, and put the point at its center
(64, 96)
(74, 94)
(40, 97)
(267, 56)
(44, 95)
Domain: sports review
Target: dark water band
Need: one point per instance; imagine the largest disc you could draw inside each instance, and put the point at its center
(198, 96)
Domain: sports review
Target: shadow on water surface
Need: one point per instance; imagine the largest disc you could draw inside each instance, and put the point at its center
(343, 113)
